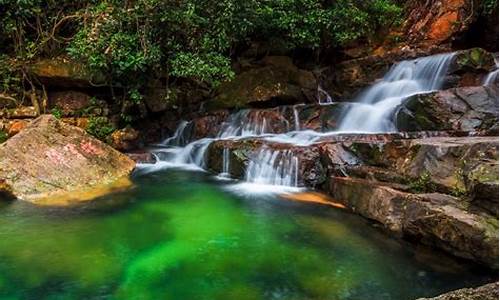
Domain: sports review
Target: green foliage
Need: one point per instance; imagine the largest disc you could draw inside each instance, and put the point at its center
(132, 41)
(3, 136)
(57, 112)
(489, 6)
(100, 127)
(10, 79)
(422, 184)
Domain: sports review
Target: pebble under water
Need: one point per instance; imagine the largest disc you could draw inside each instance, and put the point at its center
(182, 235)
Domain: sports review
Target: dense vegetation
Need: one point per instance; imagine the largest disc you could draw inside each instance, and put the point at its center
(130, 41)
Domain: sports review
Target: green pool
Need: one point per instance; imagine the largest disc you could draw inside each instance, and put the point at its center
(180, 235)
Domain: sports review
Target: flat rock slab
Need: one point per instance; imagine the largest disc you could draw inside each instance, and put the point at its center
(50, 161)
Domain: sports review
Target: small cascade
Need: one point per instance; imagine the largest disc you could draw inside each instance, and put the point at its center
(492, 77)
(225, 164)
(323, 97)
(374, 108)
(273, 167)
(296, 120)
(240, 124)
(180, 135)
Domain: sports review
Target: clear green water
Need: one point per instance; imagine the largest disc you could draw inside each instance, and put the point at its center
(180, 236)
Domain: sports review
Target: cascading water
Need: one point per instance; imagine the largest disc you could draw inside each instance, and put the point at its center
(323, 97)
(277, 170)
(240, 125)
(179, 137)
(374, 108)
(492, 77)
(273, 168)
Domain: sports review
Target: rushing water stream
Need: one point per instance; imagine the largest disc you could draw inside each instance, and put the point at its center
(372, 111)
(181, 235)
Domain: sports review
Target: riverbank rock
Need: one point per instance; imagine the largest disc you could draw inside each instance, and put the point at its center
(484, 292)
(274, 81)
(462, 109)
(51, 162)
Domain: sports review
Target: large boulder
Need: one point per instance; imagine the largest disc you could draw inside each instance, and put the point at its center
(276, 80)
(454, 165)
(433, 219)
(63, 72)
(50, 162)
(463, 109)
(484, 292)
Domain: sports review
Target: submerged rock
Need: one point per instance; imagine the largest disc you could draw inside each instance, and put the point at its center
(484, 292)
(51, 162)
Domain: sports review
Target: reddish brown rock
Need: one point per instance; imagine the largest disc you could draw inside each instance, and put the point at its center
(435, 22)
(125, 139)
(142, 157)
(16, 127)
(69, 102)
(51, 162)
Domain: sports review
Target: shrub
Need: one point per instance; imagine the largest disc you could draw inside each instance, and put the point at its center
(100, 127)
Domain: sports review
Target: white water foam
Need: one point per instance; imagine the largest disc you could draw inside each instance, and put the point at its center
(276, 171)
(374, 108)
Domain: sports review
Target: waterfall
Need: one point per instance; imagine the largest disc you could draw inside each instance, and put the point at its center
(296, 120)
(241, 124)
(323, 97)
(492, 77)
(374, 108)
(225, 164)
(271, 170)
(179, 137)
(273, 167)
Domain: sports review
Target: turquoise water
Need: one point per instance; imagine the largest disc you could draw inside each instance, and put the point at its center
(181, 235)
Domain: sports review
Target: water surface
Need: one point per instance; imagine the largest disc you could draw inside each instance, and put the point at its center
(182, 235)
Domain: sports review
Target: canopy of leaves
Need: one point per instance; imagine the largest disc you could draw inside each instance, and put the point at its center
(132, 40)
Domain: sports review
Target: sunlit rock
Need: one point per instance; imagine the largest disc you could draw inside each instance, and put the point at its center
(52, 160)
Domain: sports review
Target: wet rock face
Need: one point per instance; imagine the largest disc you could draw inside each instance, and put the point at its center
(442, 164)
(485, 292)
(40, 163)
(433, 219)
(462, 109)
(276, 80)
